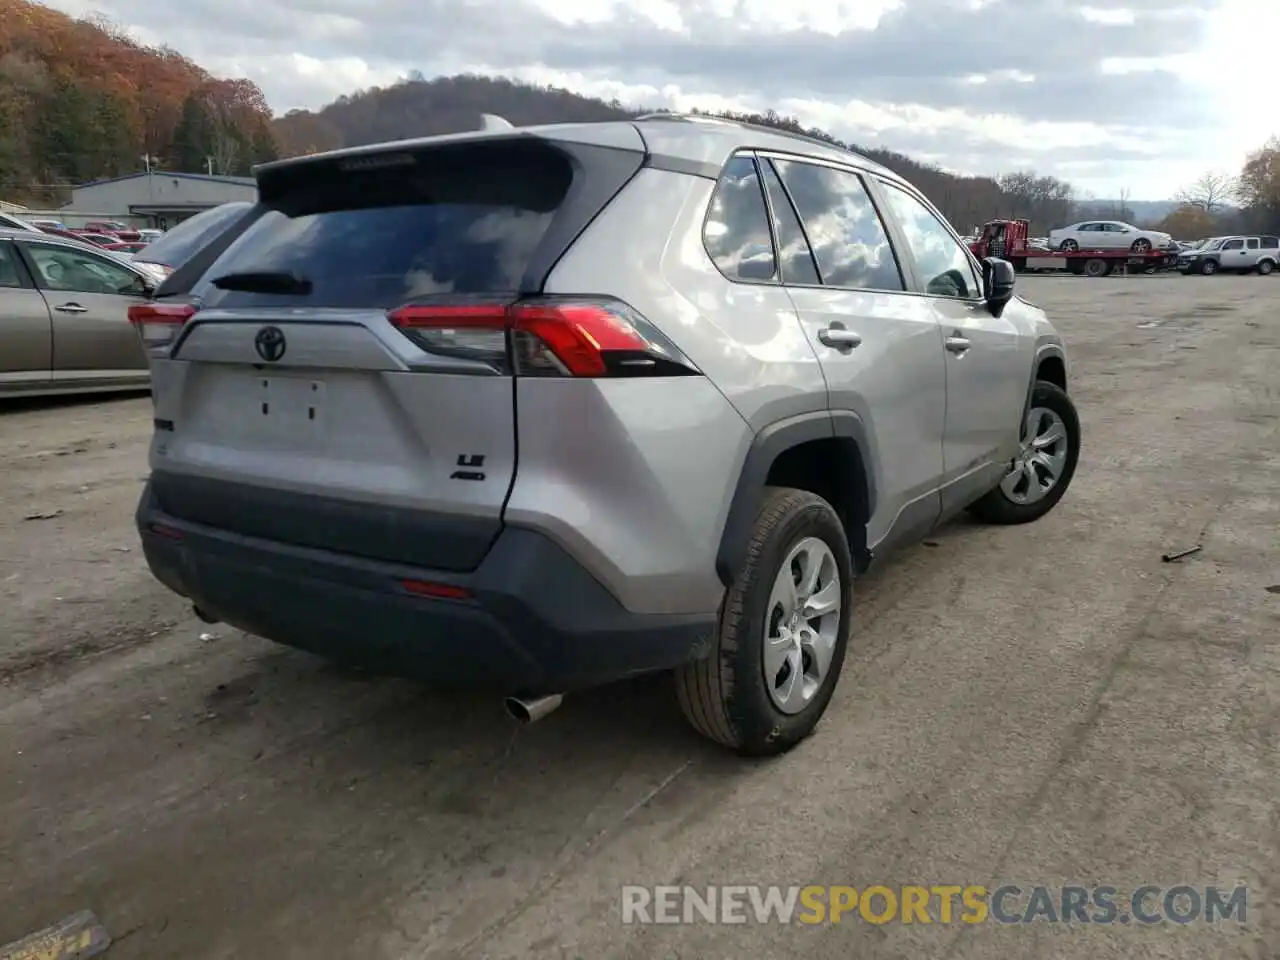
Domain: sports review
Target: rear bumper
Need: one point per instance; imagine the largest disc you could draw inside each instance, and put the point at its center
(534, 621)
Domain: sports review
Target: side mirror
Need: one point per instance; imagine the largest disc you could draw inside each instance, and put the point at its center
(998, 278)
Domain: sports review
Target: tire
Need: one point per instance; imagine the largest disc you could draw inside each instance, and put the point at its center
(726, 696)
(1005, 507)
(1097, 267)
(1069, 245)
(1208, 267)
(1265, 267)
(1141, 245)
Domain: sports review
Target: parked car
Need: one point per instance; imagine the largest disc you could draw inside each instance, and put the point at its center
(149, 235)
(113, 227)
(98, 239)
(129, 248)
(1239, 254)
(64, 307)
(10, 222)
(193, 235)
(64, 234)
(42, 224)
(1109, 235)
(543, 408)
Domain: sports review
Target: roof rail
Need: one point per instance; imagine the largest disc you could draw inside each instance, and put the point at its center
(746, 125)
(491, 121)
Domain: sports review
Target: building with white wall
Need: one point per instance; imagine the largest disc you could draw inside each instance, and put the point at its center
(159, 198)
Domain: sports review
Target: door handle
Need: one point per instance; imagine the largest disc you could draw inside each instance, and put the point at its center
(71, 308)
(839, 337)
(957, 344)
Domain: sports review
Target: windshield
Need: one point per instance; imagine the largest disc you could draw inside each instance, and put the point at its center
(186, 239)
(1213, 243)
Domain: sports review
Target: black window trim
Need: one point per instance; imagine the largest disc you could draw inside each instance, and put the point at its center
(25, 279)
(894, 238)
(919, 283)
(761, 163)
(776, 279)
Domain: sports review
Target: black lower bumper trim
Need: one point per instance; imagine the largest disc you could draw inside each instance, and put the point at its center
(534, 621)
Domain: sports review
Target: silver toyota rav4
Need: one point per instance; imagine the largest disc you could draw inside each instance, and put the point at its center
(542, 408)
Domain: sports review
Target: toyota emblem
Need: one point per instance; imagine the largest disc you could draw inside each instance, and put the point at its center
(270, 344)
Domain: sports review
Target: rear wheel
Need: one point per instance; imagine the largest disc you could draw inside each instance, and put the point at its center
(783, 631)
(1097, 267)
(1069, 245)
(1265, 267)
(1043, 469)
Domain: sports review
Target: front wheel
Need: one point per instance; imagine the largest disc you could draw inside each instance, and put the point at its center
(1209, 267)
(1042, 471)
(1141, 245)
(783, 630)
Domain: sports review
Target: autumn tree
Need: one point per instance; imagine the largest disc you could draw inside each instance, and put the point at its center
(1043, 200)
(1260, 177)
(81, 100)
(192, 137)
(1189, 221)
(1210, 193)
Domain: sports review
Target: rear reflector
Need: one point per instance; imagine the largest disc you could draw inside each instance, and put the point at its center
(549, 337)
(158, 324)
(437, 591)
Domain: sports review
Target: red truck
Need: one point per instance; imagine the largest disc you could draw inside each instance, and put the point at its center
(1007, 239)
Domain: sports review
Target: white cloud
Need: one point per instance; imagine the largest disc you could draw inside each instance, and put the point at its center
(1127, 97)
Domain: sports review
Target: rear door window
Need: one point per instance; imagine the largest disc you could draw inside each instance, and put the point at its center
(379, 238)
(843, 227)
(1270, 243)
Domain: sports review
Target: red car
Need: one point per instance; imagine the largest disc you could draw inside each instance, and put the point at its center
(59, 232)
(113, 227)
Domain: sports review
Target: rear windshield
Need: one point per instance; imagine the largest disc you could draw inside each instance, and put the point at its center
(463, 223)
(189, 237)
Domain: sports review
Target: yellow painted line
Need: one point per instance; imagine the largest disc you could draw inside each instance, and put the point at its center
(78, 936)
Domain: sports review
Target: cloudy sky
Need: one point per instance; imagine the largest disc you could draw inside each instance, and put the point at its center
(1112, 98)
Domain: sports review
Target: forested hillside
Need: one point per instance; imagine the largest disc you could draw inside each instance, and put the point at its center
(420, 107)
(81, 100)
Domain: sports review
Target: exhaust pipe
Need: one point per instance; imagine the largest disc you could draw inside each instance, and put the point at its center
(204, 616)
(527, 711)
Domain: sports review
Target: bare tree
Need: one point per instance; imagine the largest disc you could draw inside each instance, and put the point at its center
(1210, 193)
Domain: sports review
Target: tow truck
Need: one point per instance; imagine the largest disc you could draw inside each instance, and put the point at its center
(1007, 239)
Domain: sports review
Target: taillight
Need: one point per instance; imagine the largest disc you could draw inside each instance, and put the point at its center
(545, 337)
(158, 324)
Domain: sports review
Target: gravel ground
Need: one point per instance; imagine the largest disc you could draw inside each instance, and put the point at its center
(1044, 704)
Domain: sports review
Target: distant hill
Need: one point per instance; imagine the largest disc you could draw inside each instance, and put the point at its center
(420, 107)
(81, 100)
(1142, 211)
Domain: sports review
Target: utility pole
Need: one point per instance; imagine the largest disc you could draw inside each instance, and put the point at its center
(208, 163)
